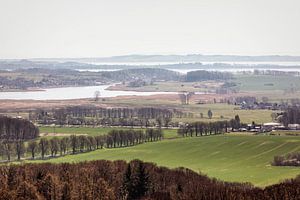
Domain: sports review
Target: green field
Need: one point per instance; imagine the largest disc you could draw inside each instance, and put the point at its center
(219, 109)
(266, 82)
(231, 158)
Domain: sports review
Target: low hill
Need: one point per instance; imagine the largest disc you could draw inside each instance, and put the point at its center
(229, 158)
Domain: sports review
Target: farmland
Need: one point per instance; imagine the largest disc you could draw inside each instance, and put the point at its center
(228, 157)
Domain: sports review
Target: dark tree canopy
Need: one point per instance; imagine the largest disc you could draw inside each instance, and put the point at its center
(17, 129)
(112, 180)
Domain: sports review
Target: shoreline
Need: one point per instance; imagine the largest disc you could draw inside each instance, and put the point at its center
(39, 89)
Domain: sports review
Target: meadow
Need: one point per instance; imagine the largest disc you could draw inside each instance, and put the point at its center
(236, 158)
(221, 111)
(266, 82)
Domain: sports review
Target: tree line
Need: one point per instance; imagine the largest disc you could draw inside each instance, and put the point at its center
(290, 116)
(209, 128)
(74, 144)
(112, 180)
(92, 115)
(17, 129)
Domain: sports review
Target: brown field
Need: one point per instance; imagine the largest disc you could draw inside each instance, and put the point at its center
(23, 105)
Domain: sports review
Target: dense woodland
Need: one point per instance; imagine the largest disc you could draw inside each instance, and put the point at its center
(111, 180)
(90, 115)
(17, 129)
(53, 147)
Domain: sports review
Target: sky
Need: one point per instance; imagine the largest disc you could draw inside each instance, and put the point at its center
(99, 28)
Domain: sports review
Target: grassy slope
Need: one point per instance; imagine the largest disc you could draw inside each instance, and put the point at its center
(230, 158)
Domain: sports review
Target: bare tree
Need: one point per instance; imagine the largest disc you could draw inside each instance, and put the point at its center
(20, 148)
(54, 146)
(209, 114)
(7, 149)
(97, 95)
(44, 146)
(32, 148)
(185, 97)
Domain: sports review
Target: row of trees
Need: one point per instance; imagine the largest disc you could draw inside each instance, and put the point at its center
(78, 115)
(76, 144)
(120, 138)
(17, 129)
(111, 180)
(290, 116)
(210, 128)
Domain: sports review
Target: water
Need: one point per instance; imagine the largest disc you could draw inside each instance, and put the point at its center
(280, 63)
(236, 70)
(233, 67)
(223, 69)
(72, 93)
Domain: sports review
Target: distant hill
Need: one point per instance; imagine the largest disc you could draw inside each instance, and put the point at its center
(180, 58)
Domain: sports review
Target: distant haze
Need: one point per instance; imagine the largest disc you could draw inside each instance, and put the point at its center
(100, 28)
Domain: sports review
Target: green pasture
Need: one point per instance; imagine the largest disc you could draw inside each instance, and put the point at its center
(236, 158)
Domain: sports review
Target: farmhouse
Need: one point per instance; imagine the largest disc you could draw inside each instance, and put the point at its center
(272, 126)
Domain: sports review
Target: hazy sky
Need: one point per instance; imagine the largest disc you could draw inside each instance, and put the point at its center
(88, 28)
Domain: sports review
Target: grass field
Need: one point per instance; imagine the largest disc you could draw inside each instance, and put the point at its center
(230, 158)
(266, 82)
(228, 112)
(219, 109)
(174, 86)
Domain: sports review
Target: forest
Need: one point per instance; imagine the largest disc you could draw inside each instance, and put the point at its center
(111, 180)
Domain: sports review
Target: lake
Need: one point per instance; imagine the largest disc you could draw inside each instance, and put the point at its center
(280, 63)
(233, 67)
(72, 93)
(223, 69)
